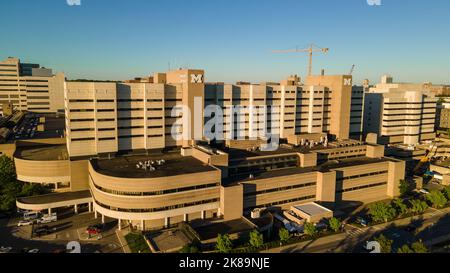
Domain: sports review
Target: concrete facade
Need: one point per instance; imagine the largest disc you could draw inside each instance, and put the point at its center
(400, 113)
(31, 88)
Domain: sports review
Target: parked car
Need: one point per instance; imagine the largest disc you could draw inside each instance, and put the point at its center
(410, 228)
(25, 223)
(45, 230)
(424, 191)
(48, 218)
(362, 221)
(5, 249)
(33, 251)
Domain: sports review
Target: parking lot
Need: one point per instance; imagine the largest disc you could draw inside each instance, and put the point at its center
(63, 231)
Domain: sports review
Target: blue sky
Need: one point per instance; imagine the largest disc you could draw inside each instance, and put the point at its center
(233, 39)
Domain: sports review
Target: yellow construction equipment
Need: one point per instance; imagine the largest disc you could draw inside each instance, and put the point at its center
(311, 49)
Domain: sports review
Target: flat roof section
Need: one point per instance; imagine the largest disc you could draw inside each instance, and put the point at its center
(125, 166)
(229, 227)
(312, 209)
(42, 153)
(344, 163)
(55, 197)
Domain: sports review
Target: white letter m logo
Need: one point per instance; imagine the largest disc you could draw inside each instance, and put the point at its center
(348, 82)
(196, 78)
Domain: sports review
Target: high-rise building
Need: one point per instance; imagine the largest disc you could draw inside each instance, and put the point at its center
(400, 113)
(105, 118)
(30, 87)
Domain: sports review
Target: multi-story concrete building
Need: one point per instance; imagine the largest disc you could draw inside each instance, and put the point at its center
(105, 118)
(116, 156)
(400, 113)
(293, 109)
(31, 88)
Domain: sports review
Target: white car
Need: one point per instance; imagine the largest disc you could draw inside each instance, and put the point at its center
(33, 251)
(424, 191)
(25, 223)
(5, 249)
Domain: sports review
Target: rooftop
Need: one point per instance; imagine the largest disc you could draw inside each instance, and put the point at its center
(42, 153)
(125, 166)
(312, 209)
(55, 197)
(334, 164)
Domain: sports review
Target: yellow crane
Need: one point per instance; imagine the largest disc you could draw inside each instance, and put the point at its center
(311, 49)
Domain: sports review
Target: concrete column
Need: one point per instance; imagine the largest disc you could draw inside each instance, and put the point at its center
(95, 214)
(103, 219)
(75, 207)
(120, 224)
(185, 218)
(56, 186)
(49, 211)
(167, 222)
(142, 225)
(203, 213)
(90, 207)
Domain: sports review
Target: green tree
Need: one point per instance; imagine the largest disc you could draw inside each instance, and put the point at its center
(405, 250)
(404, 187)
(310, 229)
(437, 199)
(446, 192)
(418, 206)
(256, 239)
(10, 188)
(335, 224)
(284, 235)
(190, 248)
(382, 212)
(419, 247)
(385, 243)
(400, 207)
(224, 244)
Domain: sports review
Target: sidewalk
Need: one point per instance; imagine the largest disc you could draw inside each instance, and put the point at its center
(123, 242)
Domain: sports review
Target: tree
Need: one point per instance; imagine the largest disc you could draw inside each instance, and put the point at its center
(382, 212)
(335, 224)
(405, 250)
(418, 206)
(10, 188)
(256, 239)
(284, 235)
(437, 199)
(400, 207)
(224, 244)
(385, 243)
(446, 192)
(190, 248)
(310, 229)
(419, 247)
(404, 187)
(7, 171)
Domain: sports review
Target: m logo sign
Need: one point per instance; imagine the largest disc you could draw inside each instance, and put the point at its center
(348, 82)
(196, 78)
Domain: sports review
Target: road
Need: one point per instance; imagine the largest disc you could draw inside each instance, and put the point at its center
(434, 224)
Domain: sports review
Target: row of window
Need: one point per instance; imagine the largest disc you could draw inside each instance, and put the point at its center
(361, 175)
(161, 192)
(362, 187)
(179, 206)
(292, 187)
(286, 201)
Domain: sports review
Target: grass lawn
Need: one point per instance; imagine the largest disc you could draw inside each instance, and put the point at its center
(137, 243)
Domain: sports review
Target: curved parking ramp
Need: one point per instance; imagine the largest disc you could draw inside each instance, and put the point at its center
(55, 200)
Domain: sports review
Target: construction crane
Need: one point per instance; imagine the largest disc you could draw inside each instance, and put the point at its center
(312, 48)
(351, 70)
